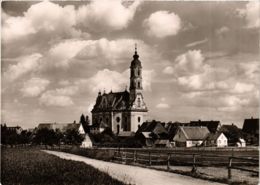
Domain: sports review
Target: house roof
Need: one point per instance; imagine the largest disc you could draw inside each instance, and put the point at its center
(154, 126)
(214, 136)
(211, 125)
(147, 134)
(195, 133)
(251, 125)
(126, 134)
(173, 127)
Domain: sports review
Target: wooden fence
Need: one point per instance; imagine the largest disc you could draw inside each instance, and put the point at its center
(193, 160)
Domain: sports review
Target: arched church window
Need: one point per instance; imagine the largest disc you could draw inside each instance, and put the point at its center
(118, 119)
(139, 102)
(138, 72)
(139, 119)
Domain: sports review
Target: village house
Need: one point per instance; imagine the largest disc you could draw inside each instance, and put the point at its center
(152, 134)
(16, 129)
(190, 136)
(87, 142)
(251, 128)
(218, 139)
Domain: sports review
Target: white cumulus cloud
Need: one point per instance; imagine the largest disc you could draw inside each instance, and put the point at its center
(105, 15)
(251, 14)
(34, 87)
(190, 63)
(25, 65)
(168, 70)
(58, 97)
(162, 24)
(45, 17)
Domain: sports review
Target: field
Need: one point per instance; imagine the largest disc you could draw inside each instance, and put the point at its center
(32, 166)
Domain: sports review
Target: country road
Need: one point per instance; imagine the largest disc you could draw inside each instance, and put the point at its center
(133, 174)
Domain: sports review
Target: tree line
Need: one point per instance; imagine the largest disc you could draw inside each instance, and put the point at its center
(43, 136)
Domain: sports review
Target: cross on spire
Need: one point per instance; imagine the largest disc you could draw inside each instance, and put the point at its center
(135, 48)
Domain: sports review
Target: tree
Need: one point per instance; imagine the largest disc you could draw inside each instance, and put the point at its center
(73, 137)
(47, 137)
(82, 119)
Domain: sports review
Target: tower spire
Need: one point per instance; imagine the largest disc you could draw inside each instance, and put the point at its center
(135, 48)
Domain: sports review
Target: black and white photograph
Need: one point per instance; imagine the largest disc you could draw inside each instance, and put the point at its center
(130, 92)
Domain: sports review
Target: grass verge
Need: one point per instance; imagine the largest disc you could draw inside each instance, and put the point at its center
(31, 166)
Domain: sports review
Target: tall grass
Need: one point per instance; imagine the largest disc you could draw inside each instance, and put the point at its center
(31, 166)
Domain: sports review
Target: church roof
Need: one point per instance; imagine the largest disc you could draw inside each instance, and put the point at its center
(112, 101)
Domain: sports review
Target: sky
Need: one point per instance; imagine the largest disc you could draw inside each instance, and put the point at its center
(200, 59)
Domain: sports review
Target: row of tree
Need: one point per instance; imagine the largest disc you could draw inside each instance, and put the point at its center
(42, 136)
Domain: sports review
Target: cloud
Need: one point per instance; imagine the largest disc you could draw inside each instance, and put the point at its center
(26, 64)
(197, 43)
(45, 17)
(251, 14)
(34, 87)
(222, 30)
(59, 97)
(107, 52)
(168, 70)
(112, 80)
(162, 24)
(162, 106)
(62, 52)
(190, 63)
(251, 70)
(106, 15)
(243, 87)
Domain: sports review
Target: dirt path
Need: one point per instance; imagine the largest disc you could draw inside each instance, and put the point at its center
(135, 175)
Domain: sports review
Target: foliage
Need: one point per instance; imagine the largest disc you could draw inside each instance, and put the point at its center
(11, 137)
(30, 166)
(47, 137)
(72, 136)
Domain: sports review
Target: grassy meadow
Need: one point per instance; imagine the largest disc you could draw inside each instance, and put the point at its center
(32, 166)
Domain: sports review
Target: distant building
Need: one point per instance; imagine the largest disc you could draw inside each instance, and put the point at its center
(87, 142)
(241, 143)
(59, 126)
(16, 129)
(213, 126)
(190, 136)
(123, 111)
(251, 126)
(172, 129)
(218, 139)
(232, 132)
(152, 133)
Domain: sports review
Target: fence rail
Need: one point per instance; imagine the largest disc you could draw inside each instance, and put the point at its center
(194, 160)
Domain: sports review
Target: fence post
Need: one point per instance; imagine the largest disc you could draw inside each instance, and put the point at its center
(134, 156)
(125, 157)
(150, 161)
(194, 168)
(168, 161)
(122, 158)
(229, 168)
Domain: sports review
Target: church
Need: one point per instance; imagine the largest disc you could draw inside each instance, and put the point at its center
(123, 111)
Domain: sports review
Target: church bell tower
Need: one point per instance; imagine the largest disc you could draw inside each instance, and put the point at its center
(136, 85)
